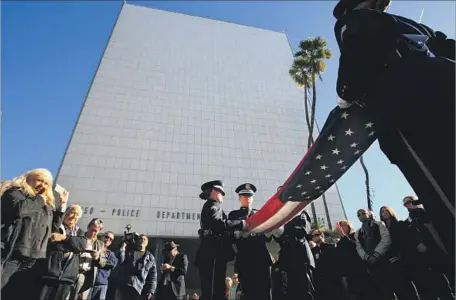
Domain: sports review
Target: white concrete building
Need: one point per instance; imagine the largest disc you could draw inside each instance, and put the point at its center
(178, 100)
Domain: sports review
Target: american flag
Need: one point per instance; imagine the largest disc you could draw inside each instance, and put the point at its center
(345, 136)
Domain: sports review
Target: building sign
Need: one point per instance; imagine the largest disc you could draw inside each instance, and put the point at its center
(115, 212)
(177, 215)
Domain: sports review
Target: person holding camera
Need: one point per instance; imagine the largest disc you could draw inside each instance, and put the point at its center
(173, 269)
(137, 272)
(215, 236)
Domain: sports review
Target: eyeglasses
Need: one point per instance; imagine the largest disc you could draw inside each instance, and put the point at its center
(108, 237)
(408, 202)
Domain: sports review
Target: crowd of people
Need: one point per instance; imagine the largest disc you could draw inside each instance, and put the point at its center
(385, 259)
(46, 255)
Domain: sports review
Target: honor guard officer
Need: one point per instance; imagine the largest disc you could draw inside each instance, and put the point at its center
(253, 260)
(400, 72)
(215, 242)
(296, 258)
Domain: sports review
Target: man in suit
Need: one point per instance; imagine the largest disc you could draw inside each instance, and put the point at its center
(172, 282)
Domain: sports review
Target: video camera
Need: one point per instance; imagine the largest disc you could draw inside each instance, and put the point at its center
(131, 239)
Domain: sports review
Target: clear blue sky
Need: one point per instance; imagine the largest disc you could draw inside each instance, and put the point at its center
(50, 51)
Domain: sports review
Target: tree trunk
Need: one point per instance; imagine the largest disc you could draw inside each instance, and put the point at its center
(309, 142)
(367, 183)
(312, 120)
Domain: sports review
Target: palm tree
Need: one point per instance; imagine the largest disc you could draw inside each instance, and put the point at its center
(308, 64)
(299, 71)
(367, 183)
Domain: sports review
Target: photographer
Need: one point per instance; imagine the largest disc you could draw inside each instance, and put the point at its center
(137, 273)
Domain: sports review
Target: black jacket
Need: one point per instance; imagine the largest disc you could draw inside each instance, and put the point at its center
(251, 249)
(177, 277)
(294, 246)
(27, 223)
(215, 234)
(348, 261)
(62, 263)
(368, 41)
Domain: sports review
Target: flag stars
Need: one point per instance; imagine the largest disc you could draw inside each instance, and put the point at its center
(303, 193)
(332, 180)
(349, 132)
(313, 181)
(307, 173)
(324, 167)
(369, 125)
(318, 187)
(319, 156)
(299, 186)
(344, 115)
(340, 161)
(336, 151)
(353, 145)
(328, 175)
(343, 167)
(357, 152)
(371, 133)
(331, 137)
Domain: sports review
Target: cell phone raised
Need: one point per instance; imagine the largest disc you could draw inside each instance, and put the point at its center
(59, 189)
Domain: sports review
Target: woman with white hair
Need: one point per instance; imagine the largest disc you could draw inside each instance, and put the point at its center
(28, 216)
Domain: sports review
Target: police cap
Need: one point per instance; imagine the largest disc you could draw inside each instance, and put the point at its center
(215, 184)
(246, 189)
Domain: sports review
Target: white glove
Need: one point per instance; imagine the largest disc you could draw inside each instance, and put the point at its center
(268, 234)
(278, 232)
(342, 103)
(237, 234)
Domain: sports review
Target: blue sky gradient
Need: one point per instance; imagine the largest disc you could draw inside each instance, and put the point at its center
(50, 52)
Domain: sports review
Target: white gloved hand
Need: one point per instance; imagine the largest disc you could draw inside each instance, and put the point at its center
(245, 234)
(237, 234)
(342, 103)
(278, 232)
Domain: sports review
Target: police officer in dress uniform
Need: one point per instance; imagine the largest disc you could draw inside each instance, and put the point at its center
(253, 260)
(296, 258)
(215, 241)
(409, 93)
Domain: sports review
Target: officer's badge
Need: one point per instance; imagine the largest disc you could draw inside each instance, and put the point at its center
(247, 186)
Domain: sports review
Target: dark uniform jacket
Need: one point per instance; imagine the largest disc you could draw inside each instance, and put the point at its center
(368, 41)
(251, 248)
(215, 234)
(294, 246)
(27, 223)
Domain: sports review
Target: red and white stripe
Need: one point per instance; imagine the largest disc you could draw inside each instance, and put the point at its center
(276, 213)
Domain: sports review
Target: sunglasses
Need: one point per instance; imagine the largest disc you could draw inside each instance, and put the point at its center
(408, 202)
(362, 214)
(108, 237)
